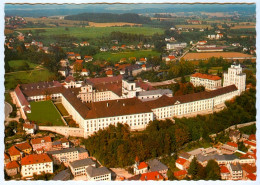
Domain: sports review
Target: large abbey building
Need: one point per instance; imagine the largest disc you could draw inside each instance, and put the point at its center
(99, 102)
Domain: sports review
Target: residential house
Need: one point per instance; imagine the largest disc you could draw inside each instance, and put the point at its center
(84, 72)
(7, 158)
(71, 55)
(236, 171)
(36, 164)
(186, 156)
(156, 166)
(12, 168)
(98, 174)
(77, 56)
(64, 175)
(103, 49)
(15, 154)
(154, 176)
(182, 164)
(64, 62)
(44, 143)
(29, 128)
(224, 172)
(248, 170)
(88, 58)
(78, 167)
(84, 43)
(64, 71)
(180, 174)
(109, 73)
(140, 168)
(210, 82)
(24, 147)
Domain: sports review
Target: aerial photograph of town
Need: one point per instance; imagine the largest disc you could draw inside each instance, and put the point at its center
(130, 92)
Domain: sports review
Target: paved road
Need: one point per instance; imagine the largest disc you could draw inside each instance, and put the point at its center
(8, 109)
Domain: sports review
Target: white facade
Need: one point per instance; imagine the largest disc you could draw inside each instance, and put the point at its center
(171, 46)
(207, 83)
(37, 168)
(236, 77)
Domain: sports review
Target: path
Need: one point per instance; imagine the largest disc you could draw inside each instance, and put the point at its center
(8, 109)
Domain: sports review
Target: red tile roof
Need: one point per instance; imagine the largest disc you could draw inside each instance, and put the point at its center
(29, 126)
(40, 140)
(84, 70)
(13, 151)
(223, 169)
(252, 137)
(250, 143)
(142, 59)
(79, 61)
(142, 165)
(206, 76)
(171, 57)
(21, 96)
(151, 176)
(251, 176)
(35, 159)
(249, 168)
(6, 156)
(109, 72)
(181, 161)
(23, 146)
(105, 80)
(144, 86)
(12, 164)
(180, 173)
(69, 79)
(232, 144)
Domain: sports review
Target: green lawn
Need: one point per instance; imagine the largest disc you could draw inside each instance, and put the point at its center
(96, 32)
(44, 112)
(12, 79)
(115, 57)
(16, 65)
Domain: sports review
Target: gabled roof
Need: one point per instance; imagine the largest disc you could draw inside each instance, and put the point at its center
(206, 76)
(232, 144)
(251, 176)
(6, 156)
(142, 165)
(69, 79)
(181, 161)
(156, 165)
(12, 164)
(223, 169)
(94, 172)
(151, 176)
(82, 163)
(13, 151)
(23, 146)
(29, 126)
(252, 137)
(35, 159)
(180, 173)
(41, 140)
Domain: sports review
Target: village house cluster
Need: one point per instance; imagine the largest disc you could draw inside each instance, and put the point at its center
(41, 154)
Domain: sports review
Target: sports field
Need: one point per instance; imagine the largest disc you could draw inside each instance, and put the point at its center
(45, 112)
(115, 57)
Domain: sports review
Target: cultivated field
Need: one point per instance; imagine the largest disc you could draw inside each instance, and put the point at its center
(7, 31)
(243, 27)
(94, 24)
(115, 57)
(225, 55)
(44, 112)
(98, 32)
(21, 77)
(217, 14)
(54, 22)
(190, 26)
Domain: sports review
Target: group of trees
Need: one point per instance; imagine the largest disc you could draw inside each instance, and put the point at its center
(109, 17)
(210, 172)
(185, 88)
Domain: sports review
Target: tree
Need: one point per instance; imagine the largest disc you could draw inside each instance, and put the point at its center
(212, 170)
(193, 169)
(170, 175)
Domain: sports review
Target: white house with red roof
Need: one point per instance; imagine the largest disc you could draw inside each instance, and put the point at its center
(36, 164)
(29, 128)
(84, 72)
(140, 167)
(224, 172)
(210, 82)
(182, 163)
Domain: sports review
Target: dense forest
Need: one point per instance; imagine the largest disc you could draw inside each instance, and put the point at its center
(116, 146)
(109, 17)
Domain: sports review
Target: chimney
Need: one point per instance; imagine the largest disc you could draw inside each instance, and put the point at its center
(107, 104)
(123, 104)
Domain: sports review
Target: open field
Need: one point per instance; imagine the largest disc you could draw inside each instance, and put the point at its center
(196, 26)
(225, 55)
(117, 56)
(94, 24)
(61, 22)
(217, 14)
(16, 65)
(62, 109)
(44, 112)
(12, 79)
(96, 32)
(243, 27)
